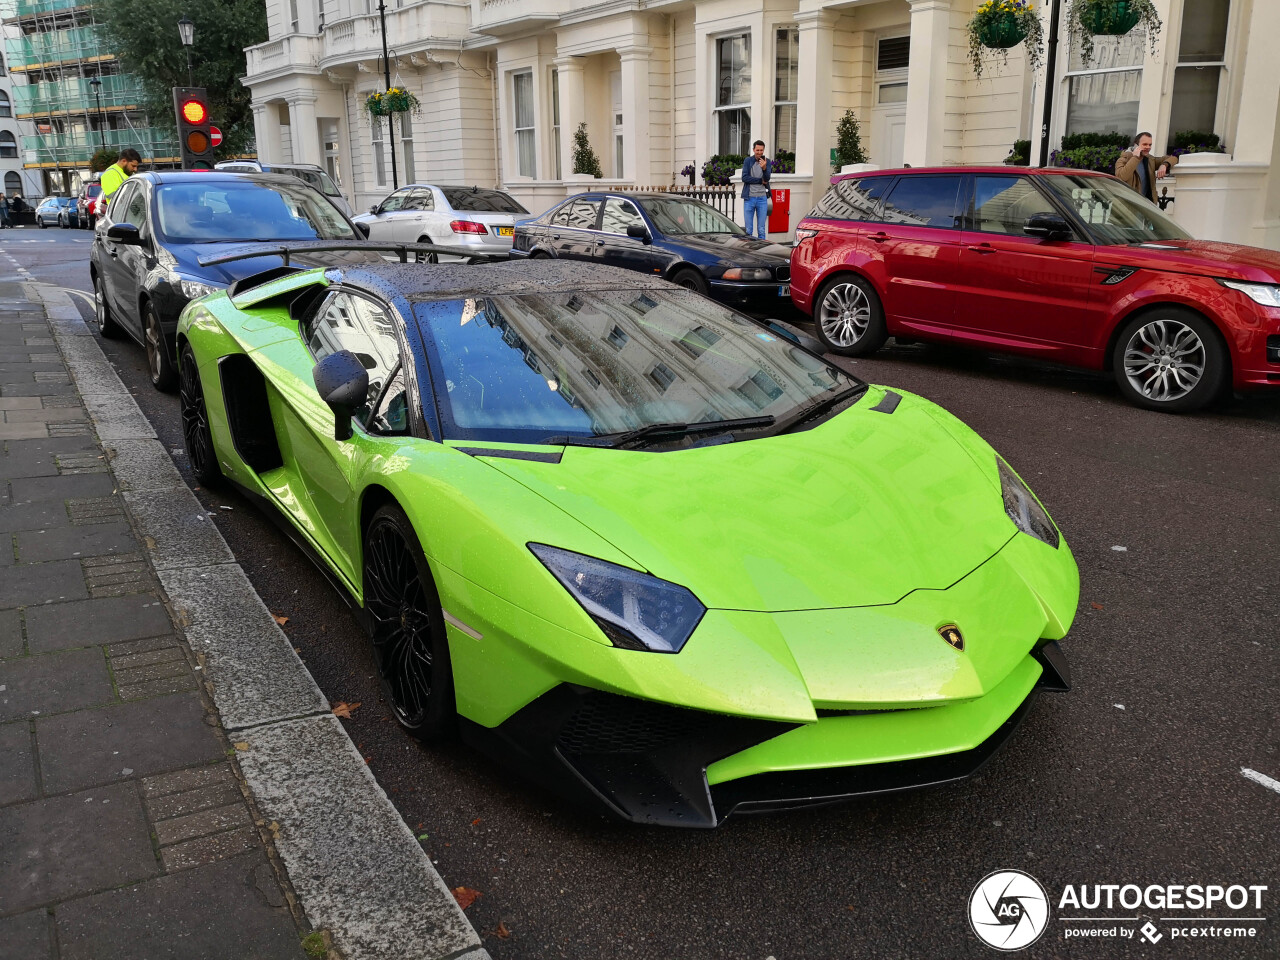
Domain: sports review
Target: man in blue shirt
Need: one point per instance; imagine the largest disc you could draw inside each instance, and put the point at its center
(755, 190)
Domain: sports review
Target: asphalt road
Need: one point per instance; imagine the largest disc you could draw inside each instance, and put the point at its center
(1135, 777)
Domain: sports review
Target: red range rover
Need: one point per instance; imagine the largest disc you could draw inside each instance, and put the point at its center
(1065, 265)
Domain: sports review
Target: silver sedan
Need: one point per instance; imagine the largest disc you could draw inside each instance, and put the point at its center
(472, 217)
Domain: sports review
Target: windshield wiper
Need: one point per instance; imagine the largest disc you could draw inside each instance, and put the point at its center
(820, 405)
(670, 428)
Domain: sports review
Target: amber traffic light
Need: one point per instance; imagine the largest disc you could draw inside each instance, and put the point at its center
(191, 109)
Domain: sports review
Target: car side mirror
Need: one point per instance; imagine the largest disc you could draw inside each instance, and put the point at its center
(374, 209)
(125, 233)
(364, 229)
(638, 232)
(343, 384)
(1050, 226)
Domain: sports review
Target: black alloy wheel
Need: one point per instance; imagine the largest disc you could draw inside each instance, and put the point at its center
(406, 625)
(62, 222)
(195, 422)
(163, 376)
(421, 257)
(107, 325)
(691, 280)
(41, 223)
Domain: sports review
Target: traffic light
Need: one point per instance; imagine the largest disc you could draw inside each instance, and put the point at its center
(191, 107)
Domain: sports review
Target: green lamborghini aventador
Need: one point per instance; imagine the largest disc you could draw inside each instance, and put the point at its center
(643, 548)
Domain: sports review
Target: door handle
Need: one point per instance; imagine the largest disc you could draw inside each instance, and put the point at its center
(983, 248)
(880, 237)
(555, 236)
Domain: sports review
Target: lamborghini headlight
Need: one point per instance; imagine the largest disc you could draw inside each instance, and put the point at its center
(1023, 508)
(635, 610)
(195, 289)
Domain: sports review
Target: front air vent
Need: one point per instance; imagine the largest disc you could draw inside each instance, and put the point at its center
(1273, 349)
(784, 273)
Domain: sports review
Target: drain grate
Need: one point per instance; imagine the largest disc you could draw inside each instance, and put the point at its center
(117, 575)
(81, 463)
(95, 510)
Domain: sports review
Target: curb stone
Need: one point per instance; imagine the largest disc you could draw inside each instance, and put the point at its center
(355, 866)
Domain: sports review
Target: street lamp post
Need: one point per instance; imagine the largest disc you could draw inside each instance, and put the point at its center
(386, 74)
(187, 31)
(1050, 69)
(97, 95)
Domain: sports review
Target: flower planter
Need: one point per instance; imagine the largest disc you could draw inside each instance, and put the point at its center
(1110, 18)
(1003, 33)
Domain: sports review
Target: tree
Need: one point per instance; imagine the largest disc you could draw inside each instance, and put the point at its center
(848, 141)
(584, 158)
(102, 159)
(144, 34)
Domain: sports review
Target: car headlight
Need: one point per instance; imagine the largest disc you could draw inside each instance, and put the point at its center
(747, 273)
(1024, 509)
(1267, 294)
(636, 611)
(195, 289)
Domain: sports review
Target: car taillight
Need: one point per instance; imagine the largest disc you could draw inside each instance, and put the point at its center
(467, 226)
(804, 233)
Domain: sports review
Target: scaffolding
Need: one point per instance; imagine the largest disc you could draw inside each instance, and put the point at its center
(58, 51)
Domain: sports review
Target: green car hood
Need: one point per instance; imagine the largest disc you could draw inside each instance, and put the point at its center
(860, 510)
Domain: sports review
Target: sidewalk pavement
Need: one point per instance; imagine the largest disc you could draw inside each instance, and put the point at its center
(172, 781)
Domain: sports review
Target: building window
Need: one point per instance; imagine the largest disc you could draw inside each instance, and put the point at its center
(293, 16)
(6, 109)
(1202, 53)
(616, 338)
(379, 150)
(406, 146)
(893, 53)
(733, 94)
(8, 145)
(555, 118)
(1102, 96)
(522, 101)
(662, 376)
(759, 390)
(786, 84)
(12, 183)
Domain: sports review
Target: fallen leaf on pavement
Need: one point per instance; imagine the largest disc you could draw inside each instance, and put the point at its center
(1096, 606)
(279, 619)
(343, 709)
(466, 896)
(242, 746)
(475, 822)
(501, 932)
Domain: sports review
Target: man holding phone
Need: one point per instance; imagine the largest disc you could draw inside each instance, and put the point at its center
(755, 190)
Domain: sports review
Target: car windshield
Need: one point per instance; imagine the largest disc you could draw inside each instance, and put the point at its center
(1114, 213)
(92, 190)
(533, 368)
(674, 216)
(475, 200)
(234, 209)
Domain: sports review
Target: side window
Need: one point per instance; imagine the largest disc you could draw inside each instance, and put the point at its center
(1003, 204)
(923, 202)
(392, 415)
(135, 209)
(117, 203)
(561, 217)
(852, 199)
(394, 202)
(618, 215)
(367, 329)
(582, 214)
(421, 199)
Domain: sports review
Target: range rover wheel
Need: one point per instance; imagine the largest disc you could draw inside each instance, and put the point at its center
(1170, 359)
(848, 318)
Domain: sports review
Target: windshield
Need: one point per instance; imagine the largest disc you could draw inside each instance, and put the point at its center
(674, 216)
(92, 190)
(233, 209)
(473, 200)
(1114, 212)
(579, 365)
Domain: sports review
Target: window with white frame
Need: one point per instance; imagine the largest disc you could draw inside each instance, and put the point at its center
(893, 57)
(1102, 95)
(523, 114)
(733, 94)
(406, 145)
(8, 145)
(6, 109)
(1202, 58)
(555, 118)
(293, 16)
(379, 140)
(786, 84)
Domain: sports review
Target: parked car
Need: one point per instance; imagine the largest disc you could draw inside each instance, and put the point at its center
(470, 217)
(308, 172)
(87, 204)
(678, 238)
(143, 264)
(56, 211)
(1064, 265)
(541, 486)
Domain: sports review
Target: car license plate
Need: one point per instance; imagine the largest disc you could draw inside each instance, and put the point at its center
(506, 231)
(784, 290)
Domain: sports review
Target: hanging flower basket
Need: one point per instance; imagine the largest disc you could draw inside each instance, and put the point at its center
(1110, 18)
(395, 100)
(1001, 25)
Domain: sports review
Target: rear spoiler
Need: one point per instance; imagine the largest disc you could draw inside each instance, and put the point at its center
(284, 251)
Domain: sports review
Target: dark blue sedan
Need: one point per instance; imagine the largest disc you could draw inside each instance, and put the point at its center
(667, 235)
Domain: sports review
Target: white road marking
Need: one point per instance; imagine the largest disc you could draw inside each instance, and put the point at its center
(22, 271)
(1261, 778)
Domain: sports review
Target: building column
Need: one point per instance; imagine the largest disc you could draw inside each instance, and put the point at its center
(927, 82)
(813, 106)
(636, 155)
(304, 130)
(573, 107)
(265, 133)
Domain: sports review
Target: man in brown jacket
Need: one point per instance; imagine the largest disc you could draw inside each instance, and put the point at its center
(1140, 170)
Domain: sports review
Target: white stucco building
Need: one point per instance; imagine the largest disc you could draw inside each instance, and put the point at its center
(666, 83)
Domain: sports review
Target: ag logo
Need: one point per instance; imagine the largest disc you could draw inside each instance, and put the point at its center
(1008, 910)
(951, 633)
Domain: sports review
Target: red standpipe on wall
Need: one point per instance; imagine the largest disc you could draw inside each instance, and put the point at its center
(780, 218)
